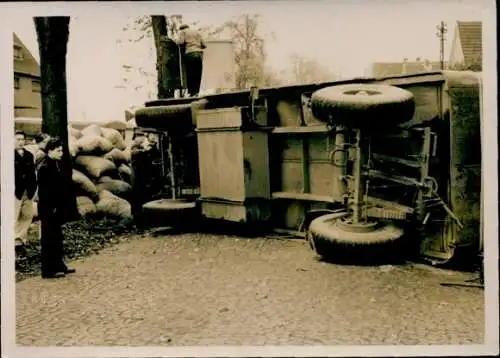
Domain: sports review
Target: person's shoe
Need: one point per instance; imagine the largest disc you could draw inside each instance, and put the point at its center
(70, 270)
(55, 275)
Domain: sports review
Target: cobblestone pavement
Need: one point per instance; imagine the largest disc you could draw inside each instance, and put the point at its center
(212, 290)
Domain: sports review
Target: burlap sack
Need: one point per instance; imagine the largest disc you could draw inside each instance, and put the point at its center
(104, 179)
(116, 187)
(125, 173)
(93, 166)
(127, 152)
(84, 186)
(72, 132)
(85, 206)
(111, 204)
(92, 130)
(73, 146)
(114, 137)
(116, 156)
(93, 145)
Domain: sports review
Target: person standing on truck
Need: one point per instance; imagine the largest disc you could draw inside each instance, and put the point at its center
(194, 45)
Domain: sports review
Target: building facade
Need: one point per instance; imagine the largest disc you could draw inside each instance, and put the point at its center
(27, 90)
(467, 46)
(406, 67)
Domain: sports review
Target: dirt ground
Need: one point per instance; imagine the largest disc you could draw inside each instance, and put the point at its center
(193, 289)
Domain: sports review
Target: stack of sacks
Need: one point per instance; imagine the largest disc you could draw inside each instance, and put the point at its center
(101, 171)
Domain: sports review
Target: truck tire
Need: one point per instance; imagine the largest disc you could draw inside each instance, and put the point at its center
(176, 118)
(333, 242)
(178, 212)
(368, 106)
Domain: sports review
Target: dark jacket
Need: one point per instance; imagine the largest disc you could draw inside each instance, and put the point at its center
(25, 177)
(51, 191)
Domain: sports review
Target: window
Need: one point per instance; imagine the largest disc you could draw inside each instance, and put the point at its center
(18, 53)
(17, 82)
(35, 86)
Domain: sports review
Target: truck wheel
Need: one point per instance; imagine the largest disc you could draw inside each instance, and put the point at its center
(369, 106)
(334, 238)
(313, 214)
(170, 212)
(177, 117)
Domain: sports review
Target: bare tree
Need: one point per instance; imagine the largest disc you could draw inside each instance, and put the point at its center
(167, 59)
(249, 51)
(167, 55)
(138, 77)
(52, 34)
(250, 56)
(306, 70)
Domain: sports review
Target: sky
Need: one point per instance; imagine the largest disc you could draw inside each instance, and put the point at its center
(345, 36)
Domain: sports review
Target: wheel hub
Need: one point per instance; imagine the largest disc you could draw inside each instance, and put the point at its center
(362, 92)
(348, 224)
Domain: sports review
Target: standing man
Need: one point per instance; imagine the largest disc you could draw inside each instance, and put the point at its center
(51, 211)
(141, 177)
(157, 163)
(25, 187)
(193, 44)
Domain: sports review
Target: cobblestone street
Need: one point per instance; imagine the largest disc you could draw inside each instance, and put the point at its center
(176, 290)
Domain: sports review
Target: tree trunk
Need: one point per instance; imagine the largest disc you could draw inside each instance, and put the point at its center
(53, 33)
(167, 59)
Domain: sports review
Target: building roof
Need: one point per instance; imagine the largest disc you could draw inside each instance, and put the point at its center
(28, 65)
(471, 40)
(382, 69)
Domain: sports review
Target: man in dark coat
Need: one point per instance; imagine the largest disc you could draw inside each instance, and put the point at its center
(51, 211)
(156, 160)
(25, 187)
(141, 177)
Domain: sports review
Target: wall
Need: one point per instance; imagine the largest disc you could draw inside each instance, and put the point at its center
(456, 53)
(27, 103)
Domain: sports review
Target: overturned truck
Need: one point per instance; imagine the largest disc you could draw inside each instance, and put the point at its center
(367, 166)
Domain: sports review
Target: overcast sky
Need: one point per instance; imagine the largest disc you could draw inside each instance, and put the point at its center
(345, 36)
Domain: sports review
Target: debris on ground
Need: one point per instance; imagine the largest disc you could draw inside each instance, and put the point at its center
(82, 238)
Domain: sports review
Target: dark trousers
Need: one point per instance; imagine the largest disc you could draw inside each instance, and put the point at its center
(194, 66)
(52, 248)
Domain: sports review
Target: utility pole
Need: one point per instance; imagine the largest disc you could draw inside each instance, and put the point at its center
(442, 30)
